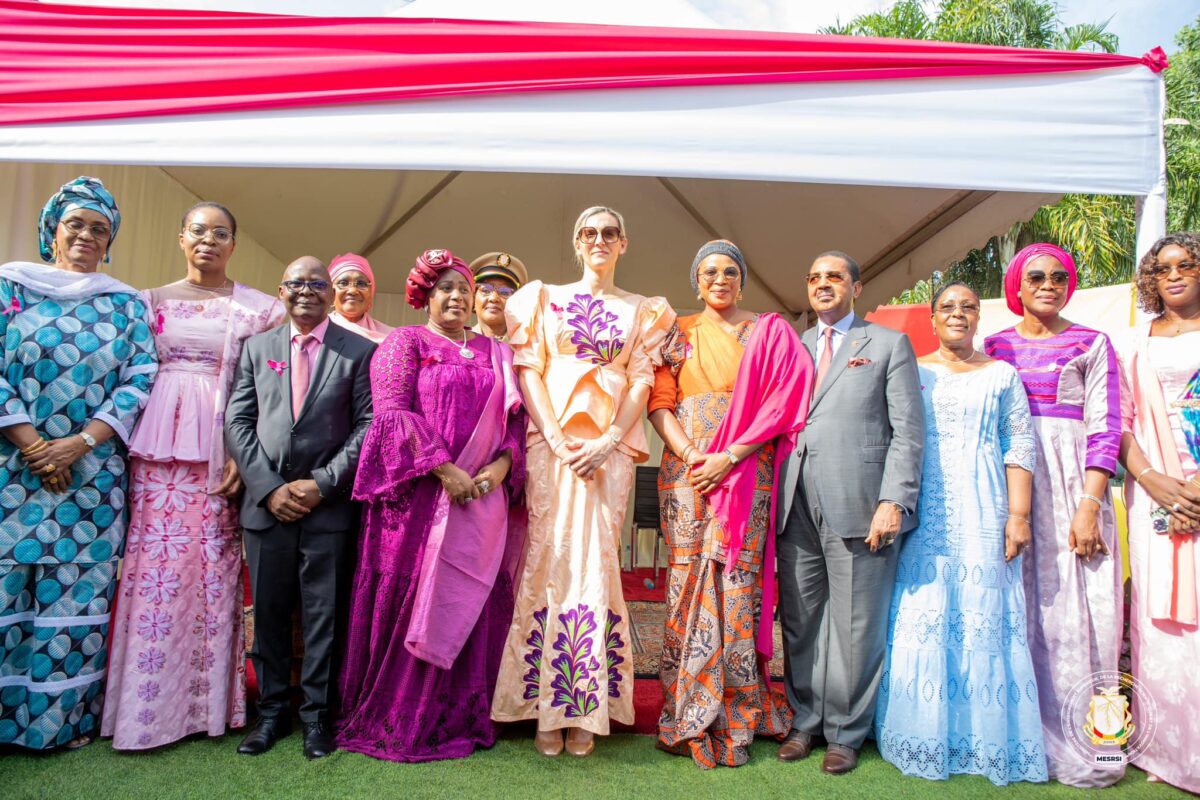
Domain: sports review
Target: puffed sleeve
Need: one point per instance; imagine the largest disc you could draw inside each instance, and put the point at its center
(655, 320)
(523, 314)
(1016, 423)
(401, 445)
(665, 394)
(12, 407)
(139, 365)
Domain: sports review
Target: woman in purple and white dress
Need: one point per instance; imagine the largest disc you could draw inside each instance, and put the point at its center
(1072, 571)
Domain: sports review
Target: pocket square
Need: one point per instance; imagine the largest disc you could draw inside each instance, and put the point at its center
(857, 362)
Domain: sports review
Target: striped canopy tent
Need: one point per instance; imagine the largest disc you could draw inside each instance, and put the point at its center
(392, 135)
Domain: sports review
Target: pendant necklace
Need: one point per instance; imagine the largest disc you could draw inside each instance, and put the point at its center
(465, 352)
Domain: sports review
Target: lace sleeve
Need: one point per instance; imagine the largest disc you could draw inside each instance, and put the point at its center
(401, 444)
(1016, 424)
(665, 393)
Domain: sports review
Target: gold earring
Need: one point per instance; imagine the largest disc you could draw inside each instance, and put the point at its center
(738, 299)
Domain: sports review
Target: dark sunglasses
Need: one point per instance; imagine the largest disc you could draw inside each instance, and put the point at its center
(1036, 278)
(1187, 269)
(610, 235)
(814, 278)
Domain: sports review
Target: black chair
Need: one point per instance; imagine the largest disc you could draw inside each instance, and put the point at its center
(645, 512)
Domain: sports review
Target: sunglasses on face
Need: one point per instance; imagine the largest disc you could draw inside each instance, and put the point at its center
(296, 287)
(494, 288)
(100, 233)
(711, 274)
(347, 283)
(610, 235)
(221, 235)
(833, 277)
(1036, 278)
(1186, 269)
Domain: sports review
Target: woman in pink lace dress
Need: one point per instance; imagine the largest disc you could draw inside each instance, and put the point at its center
(177, 665)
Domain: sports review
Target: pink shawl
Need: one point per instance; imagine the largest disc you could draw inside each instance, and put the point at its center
(770, 402)
(1170, 583)
(467, 544)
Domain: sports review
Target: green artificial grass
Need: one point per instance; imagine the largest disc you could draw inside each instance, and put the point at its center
(623, 766)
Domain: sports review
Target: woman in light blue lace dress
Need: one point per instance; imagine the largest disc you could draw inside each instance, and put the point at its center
(958, 693)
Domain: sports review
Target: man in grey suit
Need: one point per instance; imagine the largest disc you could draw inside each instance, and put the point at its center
(295, 422)
(846, 493)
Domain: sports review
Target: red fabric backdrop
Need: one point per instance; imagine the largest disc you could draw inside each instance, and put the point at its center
(62, 63)
(912, 320)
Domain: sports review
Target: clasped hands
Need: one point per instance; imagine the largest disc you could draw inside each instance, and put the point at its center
(1180, 498)
(293, 501)
(51, 461)
(584, 456)
(705, 470)
(462, 487)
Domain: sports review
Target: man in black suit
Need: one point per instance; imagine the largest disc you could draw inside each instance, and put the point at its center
(295, 422)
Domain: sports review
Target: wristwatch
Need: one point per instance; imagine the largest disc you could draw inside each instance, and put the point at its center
(728, 452)
(88, 439)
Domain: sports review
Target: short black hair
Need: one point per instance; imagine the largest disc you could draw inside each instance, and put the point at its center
(942, 290)
(851, 264)
(210, 204)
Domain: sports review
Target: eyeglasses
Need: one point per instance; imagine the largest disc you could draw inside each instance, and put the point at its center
(1187, 269)
(709, 276)
(220, 235)
(356, 283)
(296, 287)
(833, 277)
(1036, 278)
(610, 235)
(491, 288)
(966, 307)
(78, 226)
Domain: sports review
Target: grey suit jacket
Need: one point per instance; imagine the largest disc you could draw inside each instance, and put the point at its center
(865, 436)
(271, 448)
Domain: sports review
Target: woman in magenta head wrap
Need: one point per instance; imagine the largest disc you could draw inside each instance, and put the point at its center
(433, 592)
(354, 294)
(1072, 571)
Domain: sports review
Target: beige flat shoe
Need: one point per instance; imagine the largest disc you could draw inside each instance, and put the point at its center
(580, 743)
(548, 743)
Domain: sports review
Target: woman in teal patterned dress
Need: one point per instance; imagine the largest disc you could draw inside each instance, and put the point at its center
(77, 363)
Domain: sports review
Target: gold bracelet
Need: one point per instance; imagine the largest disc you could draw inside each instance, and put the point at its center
(1018, 516)
(1138, 479)
(36, 447)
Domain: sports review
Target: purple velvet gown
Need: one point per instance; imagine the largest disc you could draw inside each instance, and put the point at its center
(428, 399)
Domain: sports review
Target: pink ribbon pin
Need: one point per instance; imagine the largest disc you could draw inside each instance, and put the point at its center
(13, 307)
(278, 366)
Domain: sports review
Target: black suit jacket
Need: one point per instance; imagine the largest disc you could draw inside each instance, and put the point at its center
(271, 448)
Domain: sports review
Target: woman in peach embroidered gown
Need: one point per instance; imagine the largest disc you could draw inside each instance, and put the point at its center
(585, 354)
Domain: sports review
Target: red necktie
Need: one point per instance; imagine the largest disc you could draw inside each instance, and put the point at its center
(826, 357)
(301, 372)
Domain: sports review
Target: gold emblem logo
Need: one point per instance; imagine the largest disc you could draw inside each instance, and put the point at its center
(503, 260)
(1109, 720)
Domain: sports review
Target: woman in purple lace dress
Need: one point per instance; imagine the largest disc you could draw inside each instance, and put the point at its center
(433, 592)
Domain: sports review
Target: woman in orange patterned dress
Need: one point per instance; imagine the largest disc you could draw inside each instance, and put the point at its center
(715, 684)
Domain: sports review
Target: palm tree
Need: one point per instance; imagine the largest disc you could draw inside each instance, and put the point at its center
(1098, 229)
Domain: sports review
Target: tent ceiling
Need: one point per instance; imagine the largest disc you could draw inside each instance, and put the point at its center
(898, 234)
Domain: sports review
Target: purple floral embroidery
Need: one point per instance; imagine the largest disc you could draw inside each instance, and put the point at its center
(159, 585)
(154, 625)
(206, 625)
(143, 739)
(612, 647)
(148, 691)
(203, 660)
(145, 716)
(198, 687)
(575, 685)
(536, 641)
(212, 586)
(151, 660)
(597, 337)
